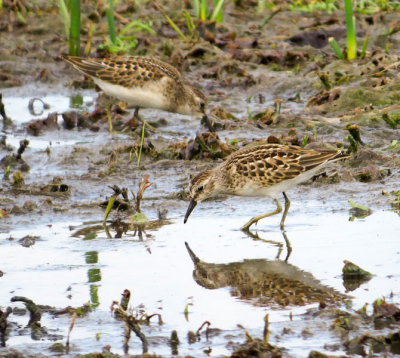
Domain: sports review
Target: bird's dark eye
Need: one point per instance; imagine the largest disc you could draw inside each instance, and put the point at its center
(200, 189)
(202, 106)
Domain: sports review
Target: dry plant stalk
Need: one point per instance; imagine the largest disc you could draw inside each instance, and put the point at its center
(131, 324)
(71, 327)
(142, 187)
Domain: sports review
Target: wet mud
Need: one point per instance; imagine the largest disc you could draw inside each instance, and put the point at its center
(92, 239)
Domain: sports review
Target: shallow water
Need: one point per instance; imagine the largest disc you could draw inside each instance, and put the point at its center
(64, 270)
(158, 272)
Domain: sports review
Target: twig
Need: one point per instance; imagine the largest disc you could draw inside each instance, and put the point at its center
(142, 187)
(71, 327)
(126, 296)
(3, 112)
(205, 323)
(22, 146)
(132, 324)
(160, 321)
(3, 325)
(266, 329)
(34, 311)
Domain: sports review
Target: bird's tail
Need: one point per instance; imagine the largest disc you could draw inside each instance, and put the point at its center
(88, 66)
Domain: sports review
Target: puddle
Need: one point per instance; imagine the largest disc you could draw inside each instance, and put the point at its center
(17, 109)
(61, 270)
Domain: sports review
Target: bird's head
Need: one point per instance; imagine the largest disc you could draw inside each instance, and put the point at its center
(201, 187)
(197, 102)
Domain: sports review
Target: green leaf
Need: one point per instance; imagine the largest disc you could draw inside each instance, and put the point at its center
(138, 219)
(109, 207)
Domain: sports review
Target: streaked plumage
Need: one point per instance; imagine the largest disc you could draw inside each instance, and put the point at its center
(263, 170)
(143, 82)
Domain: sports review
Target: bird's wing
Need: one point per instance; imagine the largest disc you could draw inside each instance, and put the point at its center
(125, 71)
(273, 164)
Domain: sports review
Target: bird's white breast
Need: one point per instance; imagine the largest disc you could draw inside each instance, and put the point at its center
(144, 97)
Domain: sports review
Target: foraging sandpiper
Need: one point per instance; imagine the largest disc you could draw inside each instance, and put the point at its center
(262, 170)
(143, 82)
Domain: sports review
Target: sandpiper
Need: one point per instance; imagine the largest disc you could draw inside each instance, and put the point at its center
(262, 170)
(143, 82)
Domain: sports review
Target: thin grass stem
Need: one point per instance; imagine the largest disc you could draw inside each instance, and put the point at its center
(269, 18)
(20, 17)
(111, 23)
(171, 23)
(109, 119)
(189, 23)
(196, 7)
(136, 25)
(203, 10)
(336, 48)
(88, 46)
(141, 144)
(109, 207)
(351, 31)
(365, 45)
(75, 28)
(64, 15)
(217, 13)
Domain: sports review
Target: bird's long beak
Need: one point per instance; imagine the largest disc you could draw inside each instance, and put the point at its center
(192, 255)
(190, 208)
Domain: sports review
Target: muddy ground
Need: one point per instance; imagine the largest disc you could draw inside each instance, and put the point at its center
(280, 84)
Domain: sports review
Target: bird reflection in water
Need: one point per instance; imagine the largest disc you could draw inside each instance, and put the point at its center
(264, 282)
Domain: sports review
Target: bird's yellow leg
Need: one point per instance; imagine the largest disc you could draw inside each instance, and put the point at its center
(287, 206)
(256, 218)
(136, 115)
(139, 118)
(109, 119)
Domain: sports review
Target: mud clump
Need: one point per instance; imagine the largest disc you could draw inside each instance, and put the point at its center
(257, 348)
(15, 161)
(75, 119)
(354, 276)
(206, 145)
(36, 127)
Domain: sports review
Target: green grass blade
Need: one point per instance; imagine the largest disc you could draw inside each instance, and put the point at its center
(171, 23)
(336, 48)
(351, 31)
(137, 25)
(196, 7)
(75, 28)
(365, 45)
(217, 13)
(109, 207)
(189, 23)
(20, 17)
(175, 27)
(64, 15)
(203, 10)
(111, 23)
(269, 18)
(141, 144)
(305, 141)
